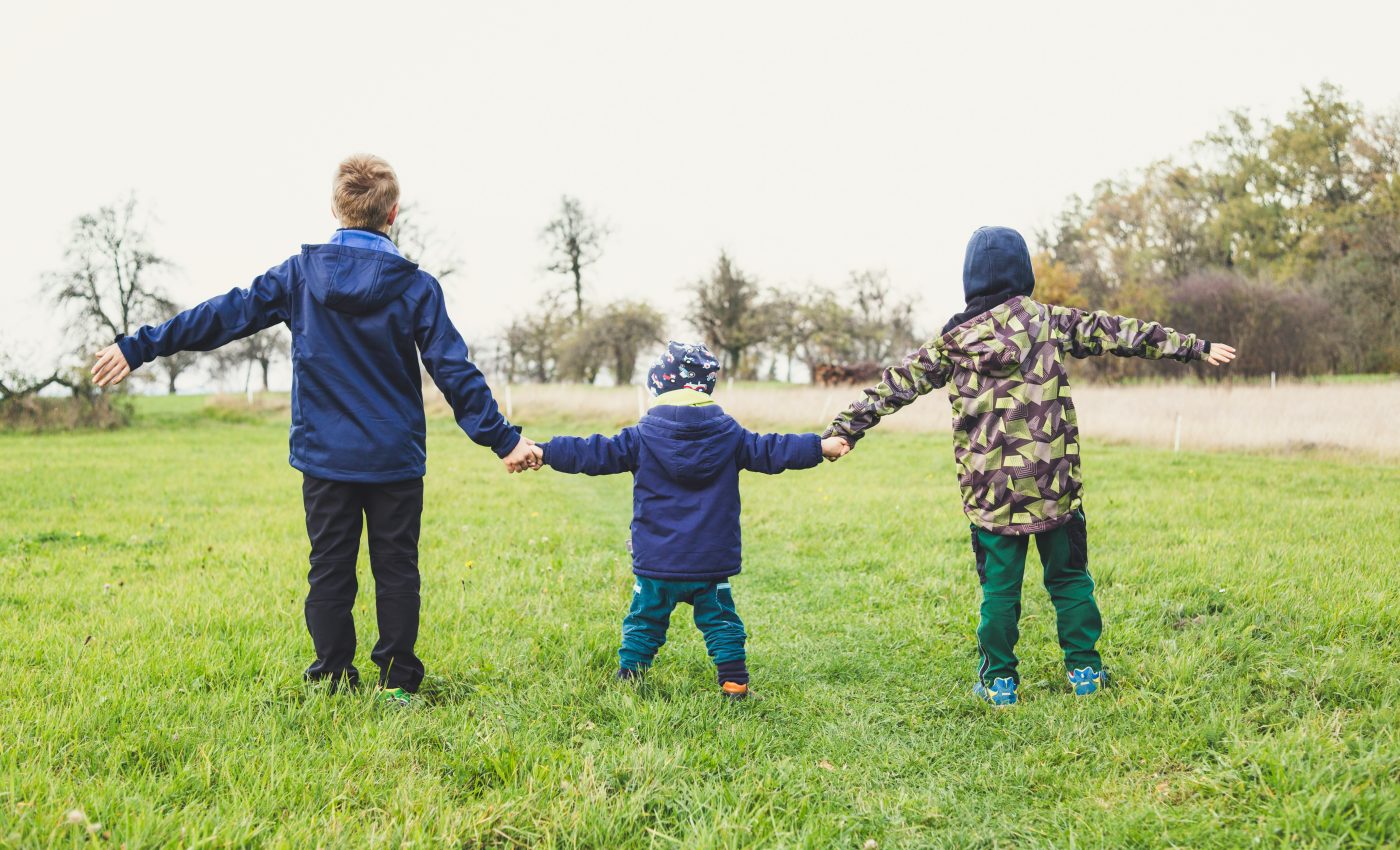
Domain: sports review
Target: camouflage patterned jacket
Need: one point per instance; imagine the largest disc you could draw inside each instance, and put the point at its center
(1015, 437)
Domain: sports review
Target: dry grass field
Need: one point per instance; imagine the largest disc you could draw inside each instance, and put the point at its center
(1356, 417)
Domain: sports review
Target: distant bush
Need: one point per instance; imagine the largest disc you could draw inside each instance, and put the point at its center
(237, 409)
(1276, 328)
(35, 414)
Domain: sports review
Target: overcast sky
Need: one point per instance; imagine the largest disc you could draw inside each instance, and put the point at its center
(807, 139)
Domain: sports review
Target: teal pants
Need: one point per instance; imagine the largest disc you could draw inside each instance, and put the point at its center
(1001, 565)
(653, 600)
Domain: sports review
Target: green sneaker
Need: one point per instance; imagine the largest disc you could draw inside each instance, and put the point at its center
(397, 697)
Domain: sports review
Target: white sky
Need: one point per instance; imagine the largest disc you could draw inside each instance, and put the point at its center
(806, 138)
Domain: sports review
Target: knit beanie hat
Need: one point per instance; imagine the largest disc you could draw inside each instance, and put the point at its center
(684, 366)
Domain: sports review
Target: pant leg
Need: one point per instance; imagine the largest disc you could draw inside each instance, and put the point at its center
(644, 627)
(394, 514)
(333, 524)
(1064, 555)
(1001, 565)
(718, 621)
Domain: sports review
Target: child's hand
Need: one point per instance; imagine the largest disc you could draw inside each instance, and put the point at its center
(1220, 354)
(111, 366)
(525, 455)
(835, 447)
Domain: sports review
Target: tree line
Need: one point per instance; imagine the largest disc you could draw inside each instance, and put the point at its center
(1280, 236)
(757, 332)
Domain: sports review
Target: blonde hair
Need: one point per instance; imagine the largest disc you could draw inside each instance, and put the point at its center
(365, 190)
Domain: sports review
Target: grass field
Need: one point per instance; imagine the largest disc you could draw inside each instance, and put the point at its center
(151, 640)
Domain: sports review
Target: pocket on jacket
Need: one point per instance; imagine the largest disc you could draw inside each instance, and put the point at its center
(979, 555)
(1078, 531)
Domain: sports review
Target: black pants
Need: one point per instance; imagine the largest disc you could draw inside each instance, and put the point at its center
(335, 513)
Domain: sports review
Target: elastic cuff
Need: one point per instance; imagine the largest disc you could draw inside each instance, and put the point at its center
(125, 343)
(732, 671)
(512, 440)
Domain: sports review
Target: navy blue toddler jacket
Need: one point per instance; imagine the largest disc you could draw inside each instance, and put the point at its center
(359, 318)
(685, 464)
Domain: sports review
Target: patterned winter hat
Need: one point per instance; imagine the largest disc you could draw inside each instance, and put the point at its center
(684, 366)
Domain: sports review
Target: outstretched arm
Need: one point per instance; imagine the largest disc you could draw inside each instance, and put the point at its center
(444, 354)
(204, 327)
(774, 453)
(1085, 333)
(595, 455)
(920, 372)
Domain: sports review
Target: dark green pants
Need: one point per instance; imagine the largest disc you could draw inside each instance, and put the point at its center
(653, 600)
(1001, 564)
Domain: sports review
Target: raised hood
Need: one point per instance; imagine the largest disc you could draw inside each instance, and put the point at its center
(690, 444)
(356, 281)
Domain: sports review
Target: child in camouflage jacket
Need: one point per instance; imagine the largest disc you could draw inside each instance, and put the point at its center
(1016, 443)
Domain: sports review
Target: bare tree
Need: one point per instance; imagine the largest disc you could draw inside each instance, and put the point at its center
(533, 343)
(725, 312)
(422, 244)
(260, 350)
(17, 385)
(107, 284)
(107, 287)
(884, 321)
(788, 326)
(575, 242)
(624, 327)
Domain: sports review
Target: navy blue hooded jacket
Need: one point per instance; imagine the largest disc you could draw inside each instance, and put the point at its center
(359, 317)
(685, 464)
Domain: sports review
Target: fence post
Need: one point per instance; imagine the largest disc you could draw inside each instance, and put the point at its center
(1273, 379)
(510, 408)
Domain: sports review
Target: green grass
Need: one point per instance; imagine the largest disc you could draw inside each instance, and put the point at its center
(152, 642)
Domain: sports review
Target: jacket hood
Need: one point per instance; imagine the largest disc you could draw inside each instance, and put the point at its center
(690, 444)
(997, 263)
(989, 343)
(356, 281)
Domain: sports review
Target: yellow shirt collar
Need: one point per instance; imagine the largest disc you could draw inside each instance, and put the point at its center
(683, 398)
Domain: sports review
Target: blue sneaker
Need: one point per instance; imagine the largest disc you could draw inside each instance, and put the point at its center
(1001, 694)
(1086, 680)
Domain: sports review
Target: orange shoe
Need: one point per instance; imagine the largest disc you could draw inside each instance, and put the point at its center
(734, 690)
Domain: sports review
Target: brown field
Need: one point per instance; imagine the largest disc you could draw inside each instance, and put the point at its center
(1360, 417)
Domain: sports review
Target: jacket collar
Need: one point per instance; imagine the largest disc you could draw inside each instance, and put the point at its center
(356, 237)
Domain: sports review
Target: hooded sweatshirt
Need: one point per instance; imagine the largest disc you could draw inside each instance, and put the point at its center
(996, 268)
(1015, 435)
(685, 463)
(360, 316)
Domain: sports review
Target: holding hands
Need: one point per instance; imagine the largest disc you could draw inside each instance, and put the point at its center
(834, 448)
(526, 455)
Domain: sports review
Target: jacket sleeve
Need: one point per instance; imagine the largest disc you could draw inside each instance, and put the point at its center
(595, 455)
(444, 354)
(774, 453)
(218, 321)
(920, 372)
(1084, 334)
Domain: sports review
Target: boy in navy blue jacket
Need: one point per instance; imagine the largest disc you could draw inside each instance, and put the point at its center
(685, 456)
(360, 314)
